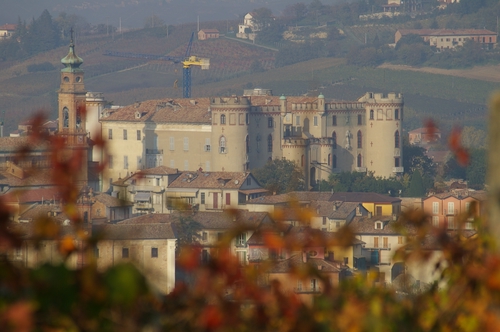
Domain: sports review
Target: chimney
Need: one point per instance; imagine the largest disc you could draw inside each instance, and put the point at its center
(370, 214)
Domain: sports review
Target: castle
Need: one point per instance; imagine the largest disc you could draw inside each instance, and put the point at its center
(234, 134)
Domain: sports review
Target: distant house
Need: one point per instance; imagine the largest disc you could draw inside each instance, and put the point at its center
(248, 29)
(7, 30)
(447, 39)
(422, 136)
(205, 34)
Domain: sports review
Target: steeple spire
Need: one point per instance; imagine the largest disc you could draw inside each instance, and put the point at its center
(71, 62)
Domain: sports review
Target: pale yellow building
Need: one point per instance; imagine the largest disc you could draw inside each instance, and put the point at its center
(238, 133)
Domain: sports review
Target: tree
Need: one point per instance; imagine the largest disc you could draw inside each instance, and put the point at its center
(295, 12)
(153, 21)
(415, 158)
(280, 176)
(256, 67)
(416, 187)
(473, 137)
(476, 170)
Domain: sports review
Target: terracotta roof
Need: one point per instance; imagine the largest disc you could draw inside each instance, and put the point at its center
(8, 27)
(33, 195)
(210, 30)
(40, 177)
(122, 231)
(341, 211)
(285, 266)
(111, 201)
(446, 32)
(295, 196)
(160, 170)
(151, 218)
(196, 111)
(38, 211)
(366, 225)
(13, 144)
(209, 180)
(363, 197)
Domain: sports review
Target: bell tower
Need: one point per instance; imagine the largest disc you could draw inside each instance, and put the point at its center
(72, 111)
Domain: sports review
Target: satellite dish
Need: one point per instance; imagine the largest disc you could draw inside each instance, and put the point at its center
(236, 181)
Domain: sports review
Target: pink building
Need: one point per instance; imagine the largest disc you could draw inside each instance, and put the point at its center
(205, 34)
(451, 210)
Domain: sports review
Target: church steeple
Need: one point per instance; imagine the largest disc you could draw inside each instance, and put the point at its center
(71, 62)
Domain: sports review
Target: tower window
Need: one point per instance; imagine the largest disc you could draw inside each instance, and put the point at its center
(138, 135)
(125, 134)
(334, 120)
(269, 122)
(65, 117)
(360, 119)
(222, 145)
(360, 161)
(396, 114)
(270, 143)
(371, 115)
(334, 140)
(396, 139)
(360, 139)
(223, 119)
(110, 133)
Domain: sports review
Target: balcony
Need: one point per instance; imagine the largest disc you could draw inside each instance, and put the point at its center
(360, 169)
(154, 151)
(398, 169)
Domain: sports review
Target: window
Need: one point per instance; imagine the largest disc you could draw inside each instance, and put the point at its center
(186, 143)
(110, 161)
(435, 221)
(125, 134)
(397, 161)
(270, 143)
(360, 139)
(125, 162)
(334, 161)
(324, 220)
(269, 122)
(314, 285)
(396, 114)
(334, 120)
(110, 133)
(396, 139)
(315, 121)
(334, 140)
(154, 252)
(172, 143)
(371, 115)
(207, 145)
(297, 120)
(346, 260)
(228, 199)
(247, 144)
(375, 242)
(219, 236)
(204, 236)
(202, 198)
(435, 207)
(386, 242)
(138, 135)
(400, 240)
(451, 222)
(241, 240)
(451, 208)
(380, 114)
(467, 206)
(329, 159)
(223, 119)
(337, 224)
(222, 144)
(124, 252)
(360, 119)
(360, 161)
(302, 161)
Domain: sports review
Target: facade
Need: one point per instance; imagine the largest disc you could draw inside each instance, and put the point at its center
(448, 210)
(205, 34)
(376, 204)
(7, 30)
(424, 136)
(151, 249)
(447, 39)
(236, 134)
(248, 29)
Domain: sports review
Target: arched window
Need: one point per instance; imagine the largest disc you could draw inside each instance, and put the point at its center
(396, 114)
(360, 139)
(65, 117)
(247, 144)
(360, 160)
(334, 139)
(371, 115)
(334, 161)
(270, 143)
(222, 144)
(396, 139)
(223, 119)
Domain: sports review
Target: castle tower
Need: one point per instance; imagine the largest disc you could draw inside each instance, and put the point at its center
(230, 135)
(384, 143)
(72, 111)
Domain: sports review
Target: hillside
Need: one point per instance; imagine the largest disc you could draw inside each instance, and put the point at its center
(124, 81)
